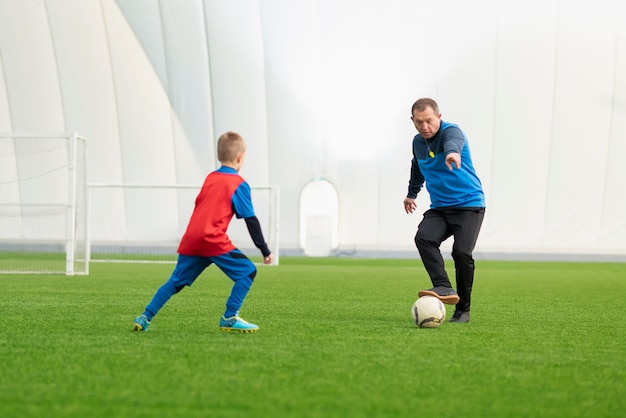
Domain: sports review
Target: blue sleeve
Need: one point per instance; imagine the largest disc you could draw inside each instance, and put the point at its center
(454, 140)
(242, 201)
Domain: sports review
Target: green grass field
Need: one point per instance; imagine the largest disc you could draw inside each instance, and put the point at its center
(336, 340)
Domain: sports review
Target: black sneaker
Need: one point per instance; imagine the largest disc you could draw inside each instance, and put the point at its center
(445, 294)
(460, 316)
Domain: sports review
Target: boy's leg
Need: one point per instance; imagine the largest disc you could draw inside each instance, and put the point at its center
(187, 269)
(466, 224)
(241, 271)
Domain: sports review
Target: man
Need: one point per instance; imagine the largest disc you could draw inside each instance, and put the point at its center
(442, 160)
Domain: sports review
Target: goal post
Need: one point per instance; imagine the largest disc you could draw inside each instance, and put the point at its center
(43, 203)
(143, 223)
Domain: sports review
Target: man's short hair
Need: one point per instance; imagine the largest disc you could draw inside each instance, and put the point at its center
(421, 104)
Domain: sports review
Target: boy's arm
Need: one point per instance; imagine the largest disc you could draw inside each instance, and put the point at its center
(254, 228)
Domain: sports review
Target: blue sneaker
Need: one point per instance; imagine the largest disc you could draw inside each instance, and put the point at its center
(141, 323)
(234, 323)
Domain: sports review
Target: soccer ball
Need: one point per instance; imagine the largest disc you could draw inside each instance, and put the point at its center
(428, 312)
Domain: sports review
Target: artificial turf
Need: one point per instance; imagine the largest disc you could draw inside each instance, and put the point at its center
(336, 340)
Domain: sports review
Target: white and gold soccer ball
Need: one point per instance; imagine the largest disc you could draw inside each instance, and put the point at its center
(428, 312)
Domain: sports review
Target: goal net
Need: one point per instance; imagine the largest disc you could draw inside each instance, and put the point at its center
(144, 223)
(43, 204)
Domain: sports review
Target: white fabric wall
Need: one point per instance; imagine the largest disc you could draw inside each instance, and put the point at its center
(323, 88)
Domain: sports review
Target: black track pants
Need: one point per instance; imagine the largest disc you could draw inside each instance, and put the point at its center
(438, 225)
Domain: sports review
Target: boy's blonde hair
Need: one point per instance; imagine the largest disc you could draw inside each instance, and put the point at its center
(229, 146)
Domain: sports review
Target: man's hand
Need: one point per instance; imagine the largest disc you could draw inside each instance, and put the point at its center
(268, 259)
(409, 205)
(453, 158)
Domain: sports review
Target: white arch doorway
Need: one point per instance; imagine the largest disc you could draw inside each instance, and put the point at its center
(319, 218)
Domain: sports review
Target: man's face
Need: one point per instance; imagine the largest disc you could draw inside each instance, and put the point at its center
(426, 122)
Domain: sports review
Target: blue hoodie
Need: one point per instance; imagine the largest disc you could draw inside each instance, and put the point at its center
(460, 187)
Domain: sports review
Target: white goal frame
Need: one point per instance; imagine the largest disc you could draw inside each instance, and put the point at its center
(119, 248)
(33, 198)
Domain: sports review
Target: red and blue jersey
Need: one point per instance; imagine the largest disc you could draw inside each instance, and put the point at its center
(224, 194)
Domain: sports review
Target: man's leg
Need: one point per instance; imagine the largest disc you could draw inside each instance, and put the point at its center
(431, 232)
(465, 224)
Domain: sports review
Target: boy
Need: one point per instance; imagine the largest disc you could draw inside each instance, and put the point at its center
(205, 242)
